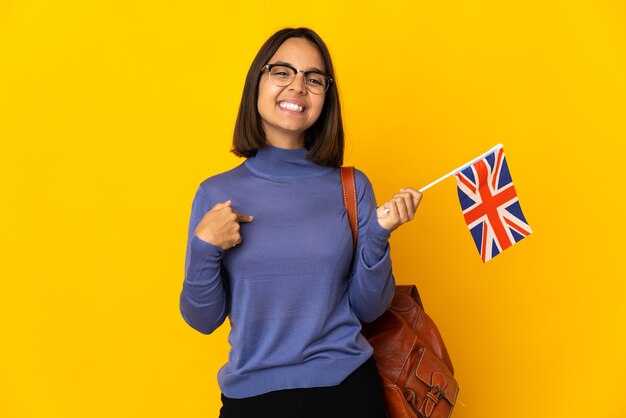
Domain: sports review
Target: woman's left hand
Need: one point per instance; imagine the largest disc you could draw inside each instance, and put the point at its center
(399, 209)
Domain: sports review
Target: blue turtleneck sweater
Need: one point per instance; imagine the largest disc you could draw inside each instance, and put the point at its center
(293, 294)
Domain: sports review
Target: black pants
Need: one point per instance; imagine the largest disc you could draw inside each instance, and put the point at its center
(358, 396)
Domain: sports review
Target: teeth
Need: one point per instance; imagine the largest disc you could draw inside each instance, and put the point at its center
(291, 106)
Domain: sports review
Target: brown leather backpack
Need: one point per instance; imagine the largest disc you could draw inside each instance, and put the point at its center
(413, 363)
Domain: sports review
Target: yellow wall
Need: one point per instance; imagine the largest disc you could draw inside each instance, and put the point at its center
(112, 112)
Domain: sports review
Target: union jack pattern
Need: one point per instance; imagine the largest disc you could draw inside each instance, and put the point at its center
(490, 205)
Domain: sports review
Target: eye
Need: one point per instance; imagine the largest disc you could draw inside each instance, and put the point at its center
(282, 72)
(316, 80)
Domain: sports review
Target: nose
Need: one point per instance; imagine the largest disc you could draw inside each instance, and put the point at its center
(298, 84)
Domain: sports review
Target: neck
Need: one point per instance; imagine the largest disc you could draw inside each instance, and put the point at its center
(283, 163)
(286, 141)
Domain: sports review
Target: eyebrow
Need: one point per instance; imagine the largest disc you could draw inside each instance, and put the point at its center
(314, 69)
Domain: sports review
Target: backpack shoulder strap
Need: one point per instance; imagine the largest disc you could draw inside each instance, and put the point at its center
(348, 186)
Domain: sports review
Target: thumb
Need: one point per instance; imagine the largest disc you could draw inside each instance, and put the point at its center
(221, 205)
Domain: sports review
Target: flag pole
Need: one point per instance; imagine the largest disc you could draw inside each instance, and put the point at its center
(461, 168)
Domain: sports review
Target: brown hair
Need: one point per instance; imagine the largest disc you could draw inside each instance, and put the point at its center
(324, 139)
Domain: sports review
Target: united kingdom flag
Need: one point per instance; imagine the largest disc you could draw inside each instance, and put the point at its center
(490, 205)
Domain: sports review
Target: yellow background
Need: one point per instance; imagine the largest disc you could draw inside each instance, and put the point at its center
(112, 112)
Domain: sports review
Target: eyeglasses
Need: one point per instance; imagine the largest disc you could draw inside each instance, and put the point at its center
(282, 75)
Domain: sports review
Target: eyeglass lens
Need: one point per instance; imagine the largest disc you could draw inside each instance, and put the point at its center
(283, 76)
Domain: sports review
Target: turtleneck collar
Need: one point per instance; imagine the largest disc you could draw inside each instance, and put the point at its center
(280, 163)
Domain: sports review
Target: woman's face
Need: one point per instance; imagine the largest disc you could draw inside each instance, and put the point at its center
(284, 124)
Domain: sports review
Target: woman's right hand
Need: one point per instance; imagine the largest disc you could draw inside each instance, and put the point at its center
(220, 226)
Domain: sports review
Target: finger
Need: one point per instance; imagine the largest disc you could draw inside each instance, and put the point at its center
(411, 203)
(390, 213)
(416, 194)
(236, 242)
(408, 201)
(387, 210)
(221, 205)
(382, 212)
(411, 206)
(243, 218)
(403, 212)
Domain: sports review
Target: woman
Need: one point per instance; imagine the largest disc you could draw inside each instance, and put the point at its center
(270, 248)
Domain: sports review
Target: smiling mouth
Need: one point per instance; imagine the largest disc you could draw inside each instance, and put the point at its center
(291, 106)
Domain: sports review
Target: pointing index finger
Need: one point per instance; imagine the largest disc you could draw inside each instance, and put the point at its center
(243, 218)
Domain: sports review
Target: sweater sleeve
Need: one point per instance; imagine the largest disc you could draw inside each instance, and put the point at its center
(203, 300)
(372, 283)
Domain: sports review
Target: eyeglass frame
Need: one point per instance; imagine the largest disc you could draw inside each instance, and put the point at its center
(268, 68)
